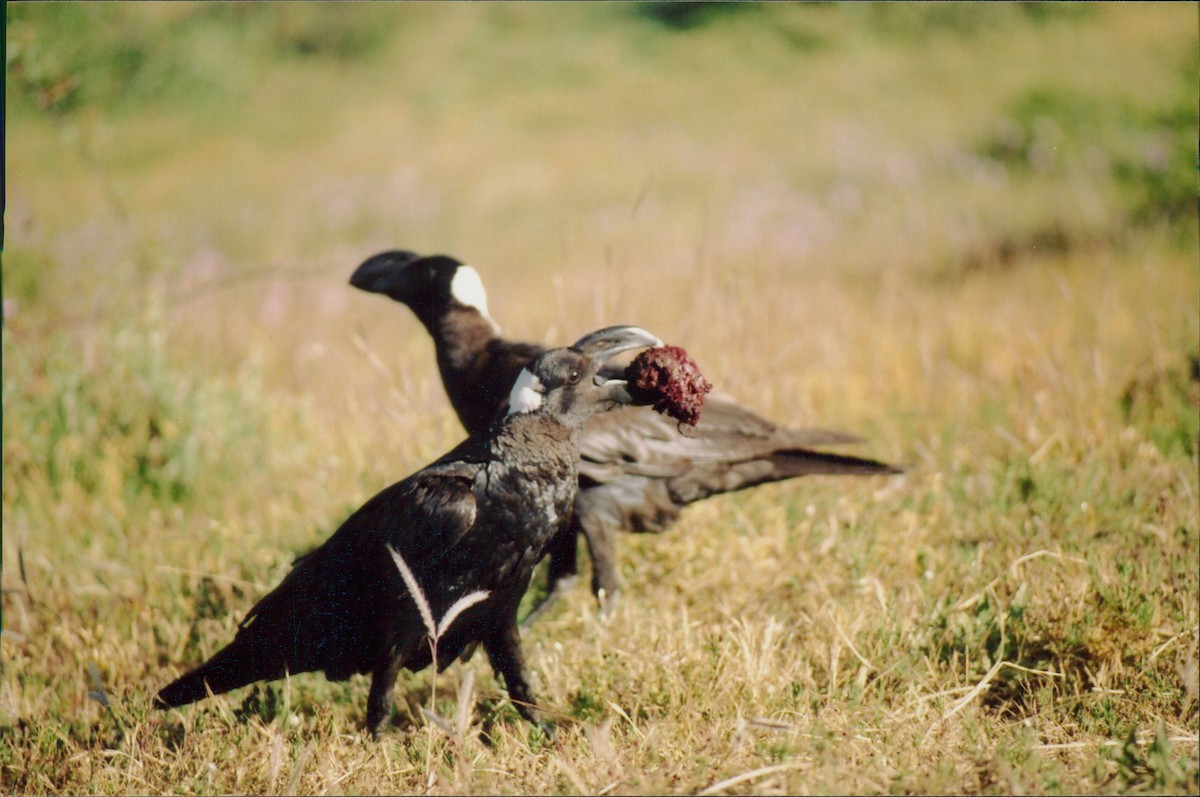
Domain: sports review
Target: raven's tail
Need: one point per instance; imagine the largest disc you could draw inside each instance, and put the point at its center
(776, 466)
(791, 463)
(234, 665)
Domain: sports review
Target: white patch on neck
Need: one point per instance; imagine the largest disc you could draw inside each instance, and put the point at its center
(526, 394)
(467, 289)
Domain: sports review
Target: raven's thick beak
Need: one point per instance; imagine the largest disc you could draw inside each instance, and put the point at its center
(608, 342)
(382, 273)
(605, 343)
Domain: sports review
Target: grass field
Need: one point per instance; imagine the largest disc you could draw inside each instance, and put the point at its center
(967, 232)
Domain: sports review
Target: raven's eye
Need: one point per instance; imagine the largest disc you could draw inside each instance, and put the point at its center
(572, 377)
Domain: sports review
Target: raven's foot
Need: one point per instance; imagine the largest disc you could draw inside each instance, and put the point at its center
(379, 699)
(557, 590)
(608, 602)
(547, 728)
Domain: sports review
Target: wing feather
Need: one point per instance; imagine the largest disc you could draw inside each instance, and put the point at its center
(343, 601)
(639, 441)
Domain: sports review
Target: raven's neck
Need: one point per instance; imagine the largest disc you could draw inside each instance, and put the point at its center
(533, 441)
(462, 337)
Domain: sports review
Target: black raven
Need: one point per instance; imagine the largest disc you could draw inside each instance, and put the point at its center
(638, 470)
(478, 519)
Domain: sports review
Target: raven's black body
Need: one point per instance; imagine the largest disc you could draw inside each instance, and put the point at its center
(477, 519)
(638, 471)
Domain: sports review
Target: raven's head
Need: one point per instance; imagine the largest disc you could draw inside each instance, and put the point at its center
(568, 384)
(430, 285)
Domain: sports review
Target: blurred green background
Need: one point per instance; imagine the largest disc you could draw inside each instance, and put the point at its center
(170, 139)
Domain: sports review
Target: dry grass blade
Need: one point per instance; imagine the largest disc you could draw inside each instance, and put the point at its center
(435, 631)
(440, 722)
(275, 761)
(964, 701)
(293, 784)
(414, 589)
(372, 358)
(458, 607)
(1012, 569)
(241, 582)
(462, 714)
(600, 739)
(572, 775)
(626, 717)
(716, 788)
(861, 658)
(769, 724)
(1112, 743)
(1045, 447)
(980, 687)
(1031, 671)
(1158, 650)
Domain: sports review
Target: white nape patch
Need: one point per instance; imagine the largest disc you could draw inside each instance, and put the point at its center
(526, 394)
(467, 289)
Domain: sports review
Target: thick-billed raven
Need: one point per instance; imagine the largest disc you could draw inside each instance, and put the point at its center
(638, 469)
(478, 519)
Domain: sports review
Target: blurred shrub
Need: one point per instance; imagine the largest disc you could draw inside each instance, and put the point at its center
(687, 15)
(1159, 169)
(320, 30)
(909, 21)
(114, 421)
(904, 21)
(1149, 151)
(1163, 402)
(24, 277)
(62, 56)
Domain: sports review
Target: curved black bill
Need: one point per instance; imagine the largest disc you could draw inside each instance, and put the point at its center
(604, 343)
(382, 273)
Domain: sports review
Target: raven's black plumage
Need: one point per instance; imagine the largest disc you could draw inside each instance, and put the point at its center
(638, 469)
(479, 518)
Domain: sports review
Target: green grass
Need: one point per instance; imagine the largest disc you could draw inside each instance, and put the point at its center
(967, 232)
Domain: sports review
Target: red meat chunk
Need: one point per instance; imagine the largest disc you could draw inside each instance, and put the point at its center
(668, 379)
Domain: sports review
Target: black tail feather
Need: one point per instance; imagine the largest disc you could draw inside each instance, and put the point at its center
(802, 462)
(789, 463)
(233, 666)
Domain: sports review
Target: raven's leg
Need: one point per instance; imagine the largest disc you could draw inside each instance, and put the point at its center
(504, 652)
(562, 555)
(379, 700)
(606, 580)
(563, 571)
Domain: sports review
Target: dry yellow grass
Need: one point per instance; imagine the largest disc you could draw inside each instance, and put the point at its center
(826, 206)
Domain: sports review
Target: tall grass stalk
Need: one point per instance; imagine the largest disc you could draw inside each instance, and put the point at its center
(434, 632)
